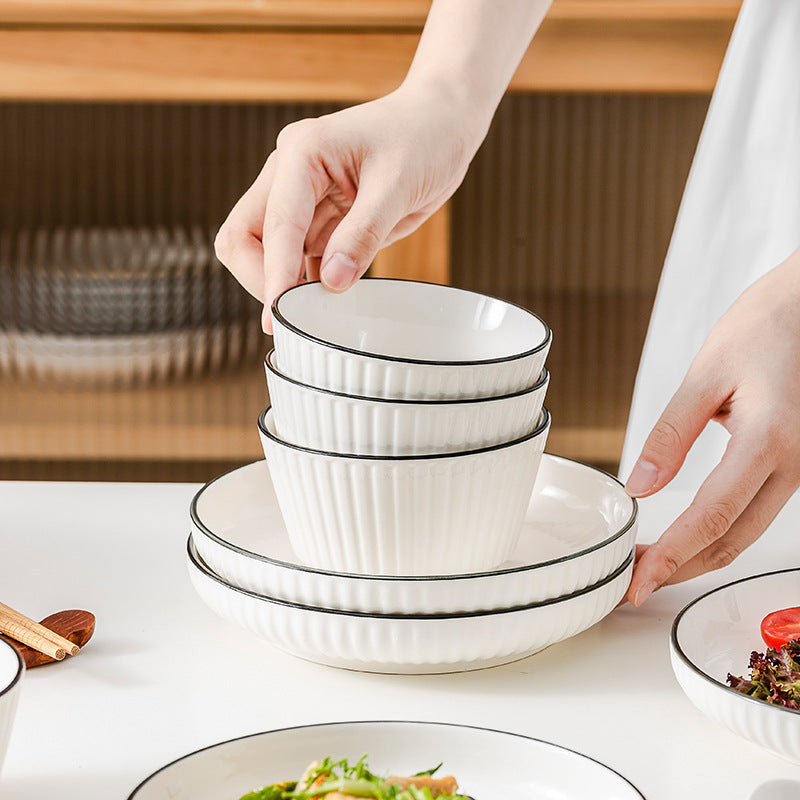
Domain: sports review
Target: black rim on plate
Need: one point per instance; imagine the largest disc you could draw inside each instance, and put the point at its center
(316, 726)
(206, 531)
(200, 565)
(673, 638)
(548, 335)
(542, 380)
(541, 427)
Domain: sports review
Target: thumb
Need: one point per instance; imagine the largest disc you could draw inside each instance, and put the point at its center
(669, 442)
(358, 237)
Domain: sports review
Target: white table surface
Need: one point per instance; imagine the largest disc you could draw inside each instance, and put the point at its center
(164, 676)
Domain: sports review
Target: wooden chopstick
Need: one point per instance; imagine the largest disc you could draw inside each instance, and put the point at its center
(31, 633)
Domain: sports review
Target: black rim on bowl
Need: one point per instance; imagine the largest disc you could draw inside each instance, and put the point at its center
(548, 335)
(200, 565)
(542, 380)
(542, 426)
(673, 638)
(320, 725)
(20, 669)
(194, 515)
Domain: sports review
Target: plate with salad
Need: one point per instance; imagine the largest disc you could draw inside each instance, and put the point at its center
(392, 760)
(736, 654)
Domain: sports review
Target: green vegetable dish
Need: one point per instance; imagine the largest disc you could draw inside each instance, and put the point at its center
(337, 780)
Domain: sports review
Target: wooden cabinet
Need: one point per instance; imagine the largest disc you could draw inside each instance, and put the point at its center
(225, 51)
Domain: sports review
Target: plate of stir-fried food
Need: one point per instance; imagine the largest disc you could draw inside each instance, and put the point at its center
(339, 780)
(385, 761)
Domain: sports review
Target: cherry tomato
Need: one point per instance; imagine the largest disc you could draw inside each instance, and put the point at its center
(781, 627)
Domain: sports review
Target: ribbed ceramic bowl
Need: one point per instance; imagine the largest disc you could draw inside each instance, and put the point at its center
(714, 635)
(409, 644)
(579, 527)
(404, 515)
(342, 423)
(11, 672)
(407, 340)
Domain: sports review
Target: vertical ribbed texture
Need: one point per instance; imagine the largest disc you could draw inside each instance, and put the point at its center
(567, 209)
(131, 165)
(107, 217)
(421, 645)
(416, 516)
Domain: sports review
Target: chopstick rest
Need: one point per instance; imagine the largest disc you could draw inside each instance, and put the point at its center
(75, 625)
(33, 634)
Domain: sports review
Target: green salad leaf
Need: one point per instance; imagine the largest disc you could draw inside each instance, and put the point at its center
(356, 780)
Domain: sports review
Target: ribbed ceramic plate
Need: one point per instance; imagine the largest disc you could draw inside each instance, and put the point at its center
(580, 526)
(488, 764)
(410, 643)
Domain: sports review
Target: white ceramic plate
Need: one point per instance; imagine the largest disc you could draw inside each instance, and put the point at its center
(488, 764)
(579, 527)
(12, 669)
(410, 644)
(714, 635)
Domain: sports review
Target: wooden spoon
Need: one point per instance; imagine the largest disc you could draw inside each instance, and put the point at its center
(77, 626)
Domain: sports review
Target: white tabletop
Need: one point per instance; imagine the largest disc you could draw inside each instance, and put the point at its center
(163, 676)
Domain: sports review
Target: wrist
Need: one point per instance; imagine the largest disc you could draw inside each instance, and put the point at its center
(463, 115)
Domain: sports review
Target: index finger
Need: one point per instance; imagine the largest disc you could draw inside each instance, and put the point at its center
(290, 210)
(724, 495)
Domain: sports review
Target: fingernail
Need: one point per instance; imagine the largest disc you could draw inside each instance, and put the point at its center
(644, 592)
(266, 321)
(339, 272)
(642, 479)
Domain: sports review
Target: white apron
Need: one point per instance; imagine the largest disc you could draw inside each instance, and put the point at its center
(739, 217)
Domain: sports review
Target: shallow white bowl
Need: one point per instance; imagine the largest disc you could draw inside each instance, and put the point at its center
(714, 635)
(406, 339)
(579, 527)
(12, 669)
(411, 644)
(342, 423)
(481, 760)
(404, 515)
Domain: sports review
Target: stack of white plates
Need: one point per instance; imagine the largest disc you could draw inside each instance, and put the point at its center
(118, 306)
(571, 566)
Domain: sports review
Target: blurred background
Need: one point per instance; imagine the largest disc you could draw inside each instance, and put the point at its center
(128, 129)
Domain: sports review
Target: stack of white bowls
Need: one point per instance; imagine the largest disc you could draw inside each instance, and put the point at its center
(403, 443)
(406, 425)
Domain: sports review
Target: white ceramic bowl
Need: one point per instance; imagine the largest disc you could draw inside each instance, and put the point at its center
(481, 759)
(714, 635)
(404, 515)
(407, 340)
(411, 644)
(579, 527)
(12, 669)
(342, 423)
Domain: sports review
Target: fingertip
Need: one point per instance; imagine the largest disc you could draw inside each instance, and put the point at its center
(639, 595)
(339, 273)
(643, 480)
